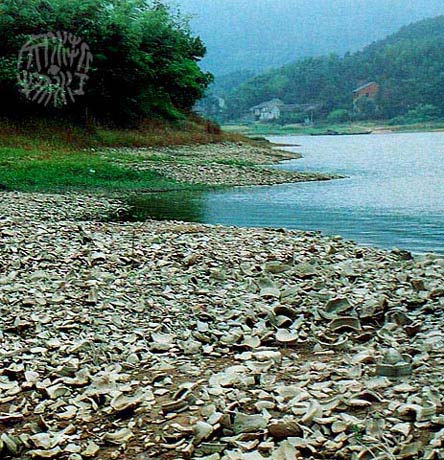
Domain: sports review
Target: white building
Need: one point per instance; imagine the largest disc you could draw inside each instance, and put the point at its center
(268, 111)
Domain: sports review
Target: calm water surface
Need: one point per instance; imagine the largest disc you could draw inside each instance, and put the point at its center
(393, 196)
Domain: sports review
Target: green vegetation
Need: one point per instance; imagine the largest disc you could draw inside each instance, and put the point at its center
(49, 156)
(408, 66)
(422, 113)
(338, 116)
(143, 80)
(260, 129)
(145, 59)
(62, 171)
(35, 134)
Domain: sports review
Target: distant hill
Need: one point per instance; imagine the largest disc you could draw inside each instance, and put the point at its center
(261, 34)
(408, 66)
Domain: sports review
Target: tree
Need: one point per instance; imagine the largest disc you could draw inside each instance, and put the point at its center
(338, 116)
(365, 109)
(408, 66)
(144, 57)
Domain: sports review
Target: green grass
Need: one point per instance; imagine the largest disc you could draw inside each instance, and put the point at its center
(51, 156)
(62, 172)
(258, 129)
(418, 127)
(270, 129)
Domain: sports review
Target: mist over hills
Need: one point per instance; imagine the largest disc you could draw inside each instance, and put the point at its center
(260, 34)
(408, 66)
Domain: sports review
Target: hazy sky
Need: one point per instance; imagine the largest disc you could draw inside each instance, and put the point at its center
(254, 34)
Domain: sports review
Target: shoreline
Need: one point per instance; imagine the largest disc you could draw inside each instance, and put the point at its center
(177, 340)
(169, 339)
(263, 130)
(144, 170)
(216, 165)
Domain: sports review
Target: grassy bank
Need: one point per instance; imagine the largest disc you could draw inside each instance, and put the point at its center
(47, 135)
(193, 155)
(259, 129)
(55, 157)
(61, 171)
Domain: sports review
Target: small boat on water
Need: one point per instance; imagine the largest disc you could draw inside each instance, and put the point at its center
(331, 132)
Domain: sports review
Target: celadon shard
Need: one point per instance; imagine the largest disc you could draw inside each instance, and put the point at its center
(181, 363)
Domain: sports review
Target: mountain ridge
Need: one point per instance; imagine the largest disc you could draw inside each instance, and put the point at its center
(408, 65)
(260, 34)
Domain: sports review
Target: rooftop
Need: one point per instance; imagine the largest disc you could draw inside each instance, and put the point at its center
(271, 103)
(360, 88)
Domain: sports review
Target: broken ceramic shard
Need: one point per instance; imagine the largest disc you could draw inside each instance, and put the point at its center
(162, 343)
(394, 365)
(118, 437)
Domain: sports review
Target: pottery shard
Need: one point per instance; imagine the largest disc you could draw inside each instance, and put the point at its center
(6, 418)
(286, 337)
(124, 403)
(44, 440)
(202, 431)
(345, 324)
(161, 342)
(268, 355)
(282, 429)
(335, 307)
(118, 437)
(91, 450)
(394, 365)
(402, 428)
(417, 412)
(270, 292)
(9, 443)
(268, 288)
(51, 453)
(410, 450)
(276, 267)
(305, 270)
(244, 423)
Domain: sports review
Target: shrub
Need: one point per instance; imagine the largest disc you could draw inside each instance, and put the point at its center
(293, 117)
(211, 127)
(365, 109)
(338, 116)
(422, 113)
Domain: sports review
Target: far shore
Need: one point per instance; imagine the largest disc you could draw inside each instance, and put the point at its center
(262, 129)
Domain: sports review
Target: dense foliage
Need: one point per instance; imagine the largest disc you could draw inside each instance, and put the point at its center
(145, 59)
(408, 66)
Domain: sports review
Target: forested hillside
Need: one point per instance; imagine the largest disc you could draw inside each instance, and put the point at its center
(262, 34)
(408, 66)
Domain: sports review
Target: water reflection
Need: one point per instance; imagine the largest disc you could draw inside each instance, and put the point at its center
(186, 206)
(394, 196)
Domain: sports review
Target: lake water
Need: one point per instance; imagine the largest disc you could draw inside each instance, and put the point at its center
(393, 196)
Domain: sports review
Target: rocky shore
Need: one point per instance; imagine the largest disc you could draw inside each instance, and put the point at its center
(167, 340)
(223, 164)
